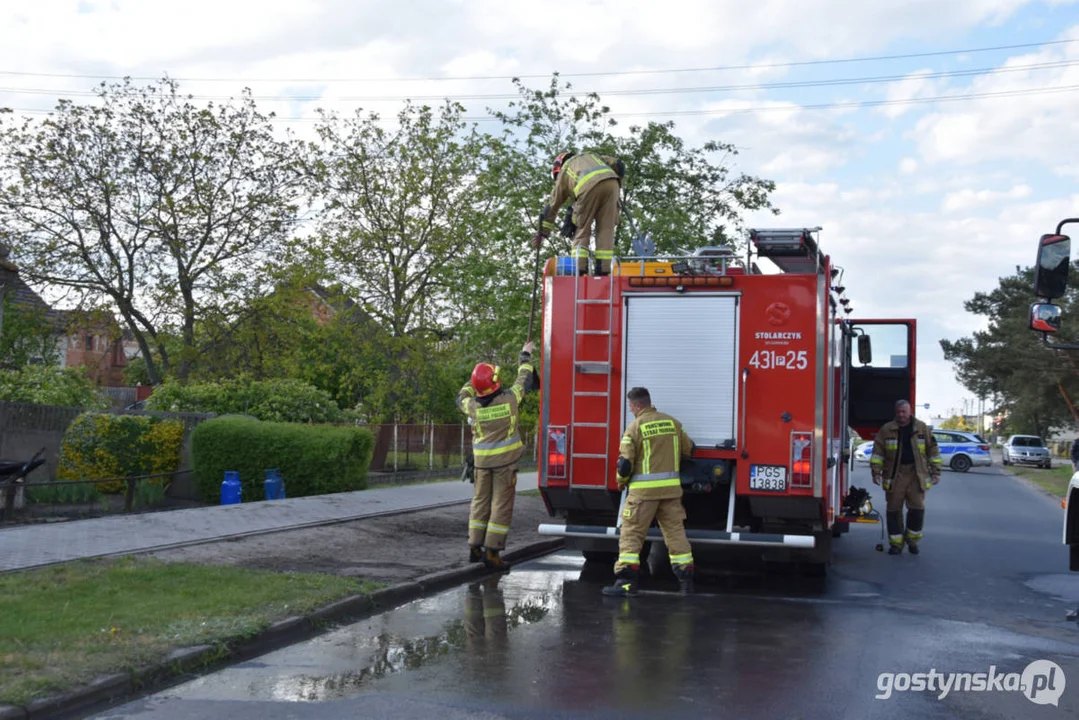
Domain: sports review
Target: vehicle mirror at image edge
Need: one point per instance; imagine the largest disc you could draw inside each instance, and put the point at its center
(1045, 317)
(865, 350)
(1051, 266)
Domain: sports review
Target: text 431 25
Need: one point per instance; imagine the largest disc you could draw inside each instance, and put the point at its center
(773, 360)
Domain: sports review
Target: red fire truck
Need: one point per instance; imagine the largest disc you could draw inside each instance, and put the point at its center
(760, 361)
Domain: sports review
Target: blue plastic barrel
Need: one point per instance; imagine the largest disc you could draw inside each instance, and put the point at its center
(231, 490)
(566, 266)
(274, 486)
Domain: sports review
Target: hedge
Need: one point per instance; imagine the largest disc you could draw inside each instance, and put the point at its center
(282, 400)
(100, 445)
(44, 385)
(312, 459)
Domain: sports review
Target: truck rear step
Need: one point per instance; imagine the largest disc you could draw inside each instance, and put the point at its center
(702, 537)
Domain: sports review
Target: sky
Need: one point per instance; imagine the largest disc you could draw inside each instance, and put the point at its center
(931, 150)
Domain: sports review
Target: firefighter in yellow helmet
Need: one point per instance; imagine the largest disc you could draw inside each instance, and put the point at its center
(650, 459)
(907, 459)
(594, 183)
(496, 448)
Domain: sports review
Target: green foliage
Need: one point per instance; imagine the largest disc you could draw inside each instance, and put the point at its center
(419, 265)
(164, 209)
(99, 445)
(63, 494)
(1008, 364)
(43, 385)
(312, 459)
(272, 400)
(957, 422)
(26, 334)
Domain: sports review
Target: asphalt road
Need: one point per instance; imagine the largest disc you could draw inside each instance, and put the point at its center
(879, 637)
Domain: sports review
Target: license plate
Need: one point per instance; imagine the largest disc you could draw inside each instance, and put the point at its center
(770, 478)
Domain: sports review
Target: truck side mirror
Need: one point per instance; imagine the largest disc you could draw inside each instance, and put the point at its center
(1045, 317)
(1052, 265)
(865, 350)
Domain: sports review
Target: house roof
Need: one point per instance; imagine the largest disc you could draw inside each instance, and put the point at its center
(24, 295)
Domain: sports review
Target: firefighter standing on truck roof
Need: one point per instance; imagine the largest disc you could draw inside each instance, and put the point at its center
(906, 455)
(496, 446)
(650, 457)
(594, 182)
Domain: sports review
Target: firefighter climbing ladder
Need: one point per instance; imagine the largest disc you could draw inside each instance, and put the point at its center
(592, 367)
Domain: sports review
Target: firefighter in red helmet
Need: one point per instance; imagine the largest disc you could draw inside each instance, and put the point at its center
(496, 448)
(594, 183)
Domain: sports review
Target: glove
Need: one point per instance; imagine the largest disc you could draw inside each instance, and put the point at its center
(545, 226)
(569, 228)
(620, 168)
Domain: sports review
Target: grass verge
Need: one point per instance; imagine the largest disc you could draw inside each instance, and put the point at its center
(1054, 480)
(63, 626)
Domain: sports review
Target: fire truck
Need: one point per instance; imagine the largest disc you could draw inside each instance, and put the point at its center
(759, 359)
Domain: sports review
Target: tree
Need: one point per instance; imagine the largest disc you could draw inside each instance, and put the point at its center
(956, 422)
(1008, 363)
(152, 205)
(28, 334)
(687, 197)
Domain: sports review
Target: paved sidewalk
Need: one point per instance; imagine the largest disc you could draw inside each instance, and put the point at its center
(36, 545)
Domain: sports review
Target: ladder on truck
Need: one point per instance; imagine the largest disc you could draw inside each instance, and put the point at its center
(791, 250)
(592, 366)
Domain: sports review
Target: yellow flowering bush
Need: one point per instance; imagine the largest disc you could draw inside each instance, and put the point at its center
(100, 445)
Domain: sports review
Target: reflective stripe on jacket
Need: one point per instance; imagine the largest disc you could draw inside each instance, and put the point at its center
(886, 453)
(655, 444)
(579, 175)
(496, 439)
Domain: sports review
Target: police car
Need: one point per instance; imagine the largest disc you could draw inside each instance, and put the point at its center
(961, 451)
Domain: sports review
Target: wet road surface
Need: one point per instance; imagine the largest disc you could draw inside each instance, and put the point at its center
(988, 596)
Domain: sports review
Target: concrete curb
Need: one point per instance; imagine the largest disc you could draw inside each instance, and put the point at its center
(108, 689)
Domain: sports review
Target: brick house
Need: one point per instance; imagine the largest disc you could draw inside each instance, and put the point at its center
(92, 340)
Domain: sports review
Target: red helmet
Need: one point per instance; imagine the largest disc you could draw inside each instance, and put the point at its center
(562, 157)
(485, 379)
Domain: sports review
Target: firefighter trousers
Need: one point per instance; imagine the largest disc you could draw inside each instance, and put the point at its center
(906, 490)
(492, 506)
(637, 518)
(598, 205)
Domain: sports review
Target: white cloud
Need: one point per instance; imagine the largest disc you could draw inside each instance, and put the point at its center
(970, 199)
(1027, 115)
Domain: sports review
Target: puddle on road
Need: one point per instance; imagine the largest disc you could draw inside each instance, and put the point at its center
(473, 624)
(1062, 587)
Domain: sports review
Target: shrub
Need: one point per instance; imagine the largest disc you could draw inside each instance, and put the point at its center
(272, 400)
(99, 445)
(43, 385)
(312, 459)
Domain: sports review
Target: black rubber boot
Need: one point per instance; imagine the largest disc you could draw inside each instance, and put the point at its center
(599, 271)
(915, 520)
(684, 573)
(475, 553)
(625, 583)
(493, 560)
(895, 527)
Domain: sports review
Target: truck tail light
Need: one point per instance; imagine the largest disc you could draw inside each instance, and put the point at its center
(801, 459)
(556, 451)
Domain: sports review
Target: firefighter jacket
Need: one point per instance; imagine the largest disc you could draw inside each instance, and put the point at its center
(887, 453)
(654, 445)
(579, 174)
(496, 439)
